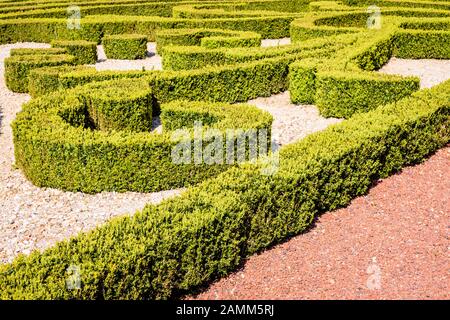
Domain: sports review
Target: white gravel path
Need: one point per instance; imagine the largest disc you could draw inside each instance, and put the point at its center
(32, 217)
(275, 42)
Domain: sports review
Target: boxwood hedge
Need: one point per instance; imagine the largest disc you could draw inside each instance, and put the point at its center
(98, 138)
(125, 46)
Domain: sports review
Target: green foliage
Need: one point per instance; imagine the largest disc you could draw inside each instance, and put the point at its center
(47, 79)
(17, 68)
(422, 44)
(87, 134)
(125, 46)
(234, 83)
(302, 82)
(246, 41)
(124, 105)
(205, 233)
(208, 38)
(85, 52)
(341, 94)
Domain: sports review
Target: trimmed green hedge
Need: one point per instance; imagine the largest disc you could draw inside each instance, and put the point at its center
(183, 243)
(342, 94)
(31, 51)
(422, 44)
(85, 139)
(125, 105)
(17, 68)
(125, 46)
(234, 83)
(246, 41)
(93, 28)
(47, 79)
(302, 82)
(85, 52)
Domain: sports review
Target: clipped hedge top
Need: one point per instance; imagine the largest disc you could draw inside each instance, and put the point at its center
(33, 59)
(29, 51)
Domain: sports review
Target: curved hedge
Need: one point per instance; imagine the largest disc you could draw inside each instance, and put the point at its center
(84, 133)
(18, 67)
(338, 86)
(97, 137)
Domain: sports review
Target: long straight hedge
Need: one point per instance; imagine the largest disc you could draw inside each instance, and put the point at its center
(171, 248)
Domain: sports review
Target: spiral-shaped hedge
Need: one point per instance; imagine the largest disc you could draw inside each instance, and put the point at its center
(89, 131)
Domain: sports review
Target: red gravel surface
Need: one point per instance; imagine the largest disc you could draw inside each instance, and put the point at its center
(392, 243)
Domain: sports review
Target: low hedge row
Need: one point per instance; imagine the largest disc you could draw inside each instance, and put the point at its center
(342, 94)
(33, 51)
(209, 38)
(169, 249)
(229, 10)
(234, 83)
(85, 52)
(422, 44)
(233, 42)
(125, 46)
(305, 29)
(94, 139)
(46, 80)
(190, 57)
(126, 105)
(17, 68)
(93, 28)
